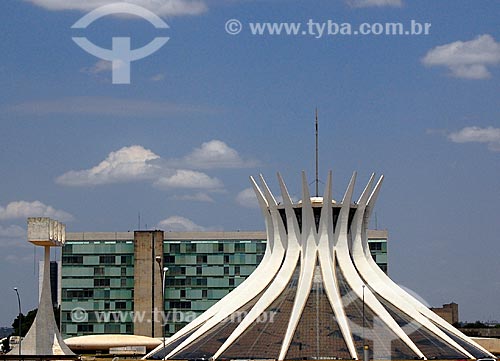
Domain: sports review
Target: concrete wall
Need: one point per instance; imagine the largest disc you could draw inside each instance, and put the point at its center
(147, 283)
(491, 344)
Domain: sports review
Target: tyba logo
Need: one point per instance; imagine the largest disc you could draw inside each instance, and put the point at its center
(120, 54)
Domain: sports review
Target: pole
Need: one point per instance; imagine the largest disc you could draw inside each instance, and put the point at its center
(20, 317)
(363, 332)
(163, 271)
(317, 166)
(366, 353)
(153, 283)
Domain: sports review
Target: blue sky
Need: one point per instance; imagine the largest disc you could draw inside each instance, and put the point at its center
(209, 109)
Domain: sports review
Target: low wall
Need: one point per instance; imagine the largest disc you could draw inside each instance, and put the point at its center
(491, 344)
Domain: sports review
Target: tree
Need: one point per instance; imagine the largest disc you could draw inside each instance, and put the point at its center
(26, 323)
(477, 324)
(28, 320)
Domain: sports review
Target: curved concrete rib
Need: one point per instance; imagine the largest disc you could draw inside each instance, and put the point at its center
(388, 284)
(281, 274)
(242, 295)
(278, 227)
(272, 293)
(355, 281)
(249, 283)
(327, 269)
(282, 278)
(309, 250)
(380, 286)
(326, 224)
(291, 220)
(346, 246)
(375, 282)
(276, 288)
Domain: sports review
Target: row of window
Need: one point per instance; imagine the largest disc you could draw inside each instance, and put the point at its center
(72, 259)
(175, 248)
(188, 281)
(105, 259)
(102, 282)
(71, 294)
(204, 293)
(97, 293)
(193, 281)
(241, 258)
(106, 282)
(100, 271)
(181, 305)
(108, 328)
(174, 271)
(105, 315)
(128, 259)
(375, 246)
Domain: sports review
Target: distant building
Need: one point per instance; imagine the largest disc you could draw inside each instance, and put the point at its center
(448, 312)
(55, 281)
(111, 274)
(377, 242)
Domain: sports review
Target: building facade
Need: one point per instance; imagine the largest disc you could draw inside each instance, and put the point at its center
(111, 281)
(377, 241)
(55, 280)
(448, 312)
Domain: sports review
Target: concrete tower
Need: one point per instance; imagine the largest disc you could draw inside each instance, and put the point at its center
(44, 338)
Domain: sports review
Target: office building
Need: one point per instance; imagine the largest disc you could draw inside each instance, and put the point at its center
(111, 279)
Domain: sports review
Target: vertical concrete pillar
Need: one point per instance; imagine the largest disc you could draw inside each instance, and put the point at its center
(43, 338)
(148, 303)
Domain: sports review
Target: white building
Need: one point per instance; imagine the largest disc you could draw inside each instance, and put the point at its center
(318, 294)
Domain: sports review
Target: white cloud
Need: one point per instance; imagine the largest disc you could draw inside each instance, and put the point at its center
(197, 197)
(215, 154)
(489, 136)
(89, 105)
(179, 224)
(183, 178)
(247, 198)
(136, 163)
(474, 71)
(125, 165)
(466, 59)
(23, 209)
(370, 3)
(159, 7)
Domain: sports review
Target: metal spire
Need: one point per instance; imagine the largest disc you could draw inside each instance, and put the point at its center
(317, 170)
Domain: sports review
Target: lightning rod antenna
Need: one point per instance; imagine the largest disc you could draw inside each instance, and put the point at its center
(317, 175)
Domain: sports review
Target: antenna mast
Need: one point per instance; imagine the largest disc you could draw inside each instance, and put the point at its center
(317, 176)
